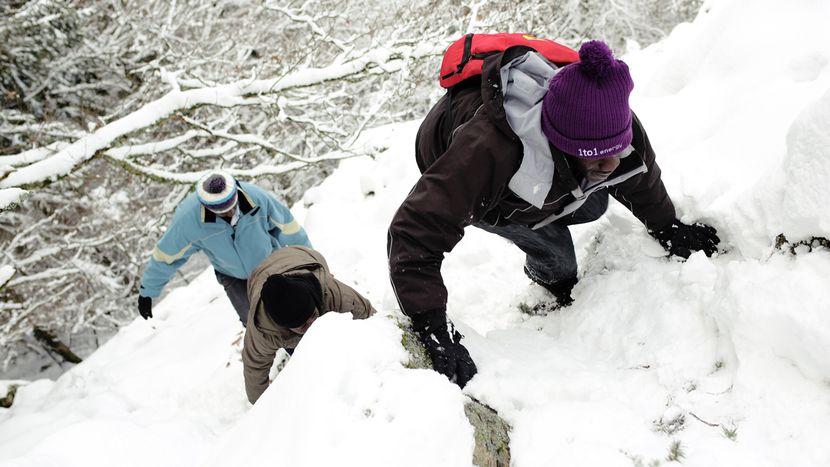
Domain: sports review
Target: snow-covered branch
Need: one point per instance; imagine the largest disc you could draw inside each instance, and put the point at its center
(11, 197)
(67, 159)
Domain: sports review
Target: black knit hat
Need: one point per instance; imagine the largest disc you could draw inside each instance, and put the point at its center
(290, 299)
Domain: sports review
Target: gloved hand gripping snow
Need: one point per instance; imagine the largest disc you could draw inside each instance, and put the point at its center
(681, 239)
(443, 344)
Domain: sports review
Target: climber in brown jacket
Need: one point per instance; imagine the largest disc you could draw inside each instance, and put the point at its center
(288, 291)
(524, 151)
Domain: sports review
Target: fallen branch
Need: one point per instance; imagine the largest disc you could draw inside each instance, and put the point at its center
(51, 342)
(713, 425)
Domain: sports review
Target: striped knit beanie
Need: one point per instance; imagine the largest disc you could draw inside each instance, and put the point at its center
(217, 191)
(585, 112)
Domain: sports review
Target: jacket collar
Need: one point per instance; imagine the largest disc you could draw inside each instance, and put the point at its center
(630, 166)
(565, 176)
(246, 205)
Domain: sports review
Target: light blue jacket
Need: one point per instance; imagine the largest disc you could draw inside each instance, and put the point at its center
(264, 225)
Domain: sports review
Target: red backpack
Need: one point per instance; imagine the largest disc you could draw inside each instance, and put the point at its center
(464, 58)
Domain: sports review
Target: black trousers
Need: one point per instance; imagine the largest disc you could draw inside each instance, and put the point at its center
(237, 291)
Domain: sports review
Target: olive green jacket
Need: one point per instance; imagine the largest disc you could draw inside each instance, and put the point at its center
(263, 337)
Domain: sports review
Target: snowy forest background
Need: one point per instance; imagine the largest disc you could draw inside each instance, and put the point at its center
(274, 91)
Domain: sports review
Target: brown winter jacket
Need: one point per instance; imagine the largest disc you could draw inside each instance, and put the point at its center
(467, 153)
(263, 337)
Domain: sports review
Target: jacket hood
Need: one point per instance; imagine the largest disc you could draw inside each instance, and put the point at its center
(525, 83)
(492, 90)
(513, 85)
(286, 260)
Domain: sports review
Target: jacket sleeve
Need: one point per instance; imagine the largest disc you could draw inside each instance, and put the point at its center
(646, 196)
(454, 192)
(258, 355)
(350, 301)
(284, 227)
(170, 253)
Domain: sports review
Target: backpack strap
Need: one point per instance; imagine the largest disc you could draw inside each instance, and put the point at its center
(465, 56)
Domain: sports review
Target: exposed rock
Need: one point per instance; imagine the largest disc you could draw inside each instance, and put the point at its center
(492, 433)
(6, 402)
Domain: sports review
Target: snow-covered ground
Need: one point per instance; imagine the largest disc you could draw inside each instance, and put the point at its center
(723, 358)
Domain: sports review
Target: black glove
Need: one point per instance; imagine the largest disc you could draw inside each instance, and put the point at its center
(449, 356)
(681, 239)
(145, 307)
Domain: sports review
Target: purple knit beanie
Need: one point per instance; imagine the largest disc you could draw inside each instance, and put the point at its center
(217, 191)
(585, 112)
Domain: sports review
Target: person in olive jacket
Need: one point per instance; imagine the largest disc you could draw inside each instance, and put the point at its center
(524, 151)
(288, 291)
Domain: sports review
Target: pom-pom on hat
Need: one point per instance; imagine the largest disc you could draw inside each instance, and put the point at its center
(217, 191)
(290, 299)
(585, 112)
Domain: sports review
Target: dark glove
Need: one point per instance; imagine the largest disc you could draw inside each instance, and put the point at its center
(145, 307)
(680, 239)
(449, 356)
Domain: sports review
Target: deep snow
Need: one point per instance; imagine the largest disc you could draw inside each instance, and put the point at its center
(653, 351)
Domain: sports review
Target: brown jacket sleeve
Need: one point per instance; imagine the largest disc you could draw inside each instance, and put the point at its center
(257, 358)
(348, 300)
(454, 192)
(645, 196)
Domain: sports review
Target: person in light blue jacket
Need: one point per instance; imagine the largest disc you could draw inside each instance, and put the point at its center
(236, 224)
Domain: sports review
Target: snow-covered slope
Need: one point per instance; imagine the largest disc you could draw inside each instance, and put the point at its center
(725, 358)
